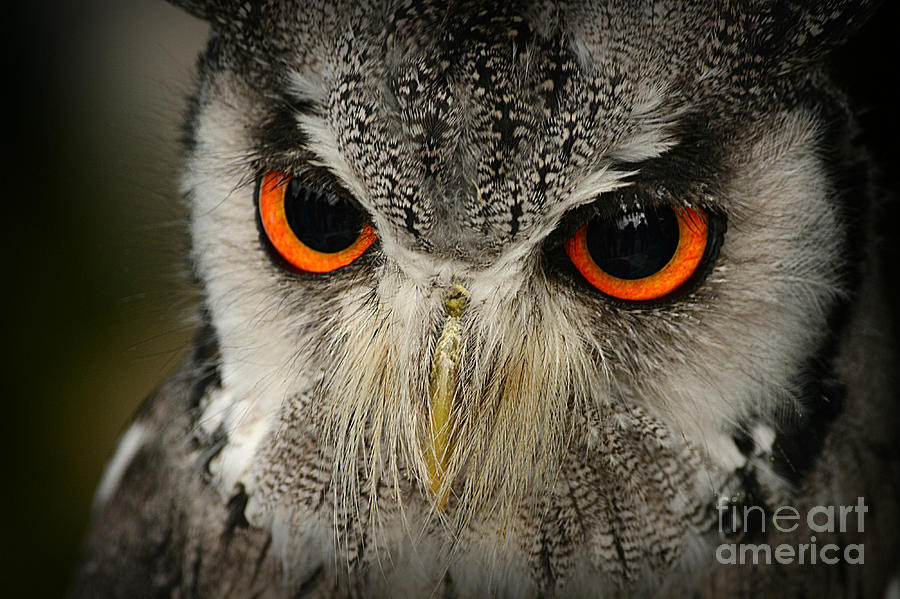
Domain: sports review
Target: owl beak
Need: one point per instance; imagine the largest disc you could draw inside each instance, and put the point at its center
(443, 381)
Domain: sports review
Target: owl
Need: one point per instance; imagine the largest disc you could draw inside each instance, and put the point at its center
(518, 299)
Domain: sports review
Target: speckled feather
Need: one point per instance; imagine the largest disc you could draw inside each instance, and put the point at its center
(593, 440)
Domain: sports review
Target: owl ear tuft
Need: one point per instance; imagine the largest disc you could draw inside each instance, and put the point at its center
(207, 10)
(785, 34)
(817, 27)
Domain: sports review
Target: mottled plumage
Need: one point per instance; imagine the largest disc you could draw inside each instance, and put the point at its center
(590, 441)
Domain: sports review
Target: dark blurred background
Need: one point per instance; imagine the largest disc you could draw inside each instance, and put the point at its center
(99, 300)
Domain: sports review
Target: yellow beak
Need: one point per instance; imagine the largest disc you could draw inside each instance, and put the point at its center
(444, 375)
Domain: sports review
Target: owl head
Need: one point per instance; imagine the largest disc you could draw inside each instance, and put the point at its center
(443, 245)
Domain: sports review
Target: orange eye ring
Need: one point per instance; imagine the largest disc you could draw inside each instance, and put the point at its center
(289, 246)
(692, 241)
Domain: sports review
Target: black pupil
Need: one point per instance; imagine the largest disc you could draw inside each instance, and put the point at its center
(634, 244)
(323, 221)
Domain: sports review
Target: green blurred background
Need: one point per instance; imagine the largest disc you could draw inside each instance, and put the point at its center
(100, 302)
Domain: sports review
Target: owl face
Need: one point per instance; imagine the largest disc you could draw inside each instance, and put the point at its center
(549, 161)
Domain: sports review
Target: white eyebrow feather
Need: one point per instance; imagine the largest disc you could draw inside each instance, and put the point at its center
(321, 138)
(589, 188)
(322, 141)
(654, 134)
(306, 89)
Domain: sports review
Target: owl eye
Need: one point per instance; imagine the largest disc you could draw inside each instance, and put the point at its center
(640, 255)
(314, 231)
